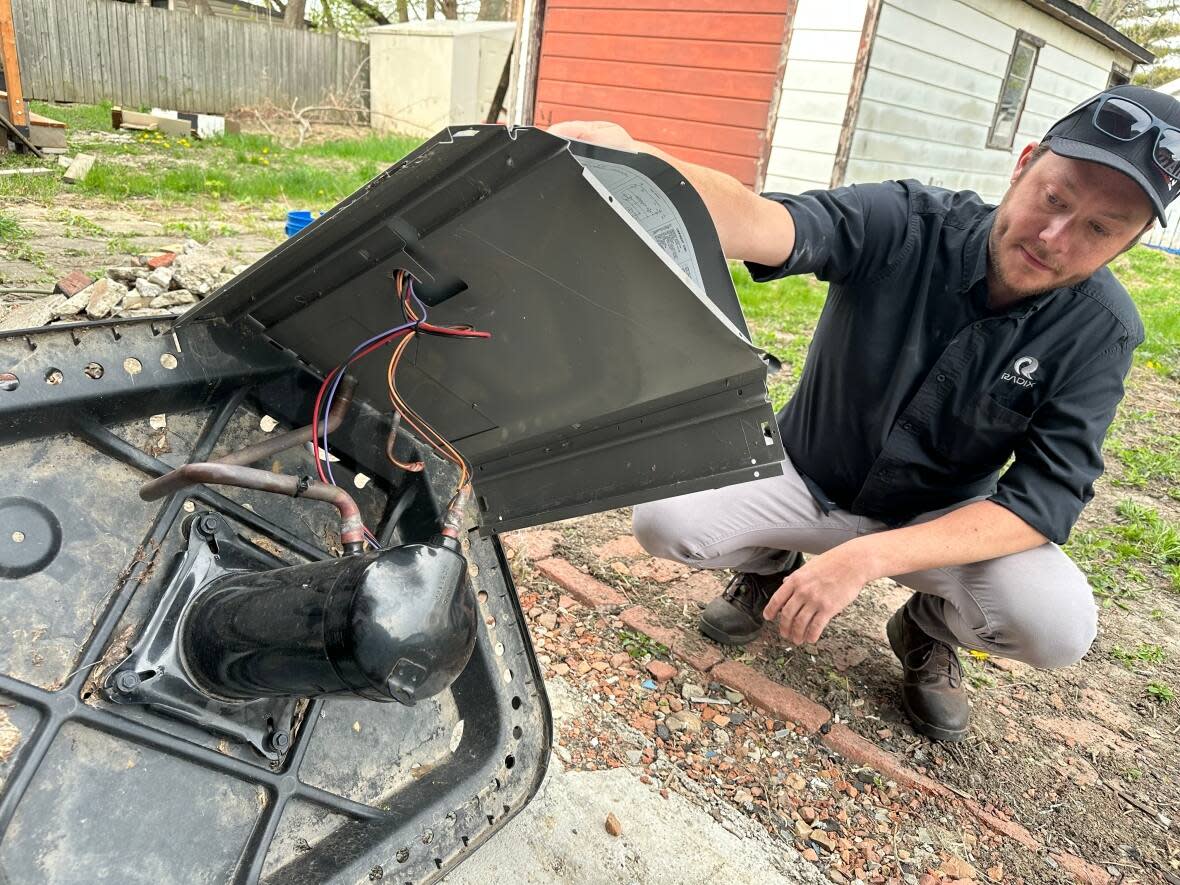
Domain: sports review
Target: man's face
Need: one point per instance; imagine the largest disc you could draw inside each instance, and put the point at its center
(1060, 221)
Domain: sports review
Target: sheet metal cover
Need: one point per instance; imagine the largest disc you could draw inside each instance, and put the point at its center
(599, 275)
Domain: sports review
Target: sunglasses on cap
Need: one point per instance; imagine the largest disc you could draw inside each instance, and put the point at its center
(1126, 120)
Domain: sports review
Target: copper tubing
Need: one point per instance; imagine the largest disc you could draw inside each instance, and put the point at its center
(452, 524)
(218, 473)
(273, 445)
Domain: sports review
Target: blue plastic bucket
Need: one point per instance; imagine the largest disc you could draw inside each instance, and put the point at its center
(297, 221)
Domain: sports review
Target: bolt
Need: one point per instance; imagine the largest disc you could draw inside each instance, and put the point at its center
(8, 381)
(207, 524)
(126, 682)
(280, 741)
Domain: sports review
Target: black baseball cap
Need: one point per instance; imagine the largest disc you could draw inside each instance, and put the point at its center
(1112, 129)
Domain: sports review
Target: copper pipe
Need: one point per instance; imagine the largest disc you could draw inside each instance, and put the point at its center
(351, 527)
(275, 444)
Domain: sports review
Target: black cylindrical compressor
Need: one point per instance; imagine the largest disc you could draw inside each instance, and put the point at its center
(390, 625)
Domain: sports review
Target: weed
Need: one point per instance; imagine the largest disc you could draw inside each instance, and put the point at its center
(11, 230)
(1155, 463)
(639, 645)
(1149, 654)
(80, 224)
(1115, 556)
(1160, 692)
(201, 231)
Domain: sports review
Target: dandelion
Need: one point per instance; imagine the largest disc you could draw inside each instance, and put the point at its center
(266, 150)
(265, 162)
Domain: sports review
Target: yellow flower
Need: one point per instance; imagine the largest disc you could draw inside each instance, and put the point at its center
(266, 150)
(265, 162)
(979, 655)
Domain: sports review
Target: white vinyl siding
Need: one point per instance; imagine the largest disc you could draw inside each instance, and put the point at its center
(820, 61)
(933, 81)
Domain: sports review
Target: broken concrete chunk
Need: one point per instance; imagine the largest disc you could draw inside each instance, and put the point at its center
(33, 314)
(148, 289)
(103, 297)
(127, 274)
(174, 298)
(73, 305)
(160, 276)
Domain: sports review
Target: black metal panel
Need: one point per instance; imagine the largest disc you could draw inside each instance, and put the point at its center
(599, 332)
(96, 792)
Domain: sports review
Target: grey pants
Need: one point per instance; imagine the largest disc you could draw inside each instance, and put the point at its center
(1034, 606)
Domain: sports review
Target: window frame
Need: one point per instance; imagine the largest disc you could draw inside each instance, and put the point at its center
(1035, 42)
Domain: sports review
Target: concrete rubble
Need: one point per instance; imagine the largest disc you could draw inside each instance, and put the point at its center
(162, 283)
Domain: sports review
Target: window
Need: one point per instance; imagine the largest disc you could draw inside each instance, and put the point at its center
(1119, 76)
(1014, 90)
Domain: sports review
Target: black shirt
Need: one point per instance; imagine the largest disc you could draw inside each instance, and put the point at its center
(914, 394)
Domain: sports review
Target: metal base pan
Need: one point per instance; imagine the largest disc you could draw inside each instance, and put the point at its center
(92, 791)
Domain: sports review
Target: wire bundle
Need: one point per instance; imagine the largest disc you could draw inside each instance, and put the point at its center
(416, 323)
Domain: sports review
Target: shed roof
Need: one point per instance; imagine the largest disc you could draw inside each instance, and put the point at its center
(1094, 27)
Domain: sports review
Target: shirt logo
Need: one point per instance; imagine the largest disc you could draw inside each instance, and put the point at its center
(1022, 371)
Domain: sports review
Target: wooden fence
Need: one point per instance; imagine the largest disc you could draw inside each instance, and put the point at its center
(101, 50)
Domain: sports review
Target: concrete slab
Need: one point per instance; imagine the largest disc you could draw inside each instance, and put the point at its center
(560, 838)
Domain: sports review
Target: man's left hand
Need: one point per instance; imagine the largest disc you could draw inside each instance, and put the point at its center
(809, 598)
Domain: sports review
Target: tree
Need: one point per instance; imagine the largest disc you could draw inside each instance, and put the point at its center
(293, 14)
(1154, 25)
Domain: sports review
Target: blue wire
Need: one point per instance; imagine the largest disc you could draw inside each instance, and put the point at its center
(332, 393)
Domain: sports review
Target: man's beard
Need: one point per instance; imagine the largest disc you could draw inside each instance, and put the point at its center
(999, 228)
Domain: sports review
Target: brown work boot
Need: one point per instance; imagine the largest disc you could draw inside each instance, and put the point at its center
(735, 617)
(932, 692)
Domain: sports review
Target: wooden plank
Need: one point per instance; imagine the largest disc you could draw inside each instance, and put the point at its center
(963, 20)
(663, 130)
(848, 15)
(909, 30)
(919, 65)
(832, 78)
(701, 53)
(690, 108)
(786, 162)
(17, 112)
(79, 168)
(736, 27)
(664, 78)
(825, 45)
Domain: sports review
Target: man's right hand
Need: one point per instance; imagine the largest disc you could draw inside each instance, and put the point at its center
(600, 132)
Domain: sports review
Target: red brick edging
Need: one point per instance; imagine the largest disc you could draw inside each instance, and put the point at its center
(789, 705)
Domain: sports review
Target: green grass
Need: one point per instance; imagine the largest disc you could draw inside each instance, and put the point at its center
(1151, 276)
(1160, 692)
(1122, 559)
(1147, 654)
(781, 316)
(235, 168)
(77, 117)
(10, 229)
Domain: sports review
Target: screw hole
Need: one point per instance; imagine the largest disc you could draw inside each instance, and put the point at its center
(516, 702)
(8, 381)
(93, 370)
(168, 361)
(509, 761)
(517, 731)
(132, 366)
(54, 376)
(18, 537)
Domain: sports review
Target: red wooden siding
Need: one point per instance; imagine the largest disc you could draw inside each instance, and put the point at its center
(694, 77)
